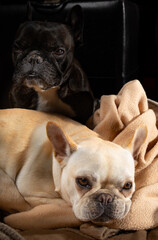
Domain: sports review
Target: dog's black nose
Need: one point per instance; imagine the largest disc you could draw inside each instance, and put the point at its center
(35, 59)
(105, 198)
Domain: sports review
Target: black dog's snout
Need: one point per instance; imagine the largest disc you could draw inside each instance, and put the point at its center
(105, 198)
(35, 59)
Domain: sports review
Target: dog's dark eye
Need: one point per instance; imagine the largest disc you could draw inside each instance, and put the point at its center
(18, 51)
(59, 51)
(127, 186)
(83, 182)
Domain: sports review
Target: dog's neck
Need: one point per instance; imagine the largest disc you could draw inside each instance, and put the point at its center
(48, 101)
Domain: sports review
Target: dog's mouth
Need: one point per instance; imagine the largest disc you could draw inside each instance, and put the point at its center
(112, 213)
(35, 81)
(104, 217)
(101, 212)
(32, 75)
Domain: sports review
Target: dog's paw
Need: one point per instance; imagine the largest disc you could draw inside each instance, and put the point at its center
(98, 232)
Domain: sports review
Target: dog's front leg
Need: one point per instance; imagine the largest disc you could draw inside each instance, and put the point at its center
(47, 216)
(22, 96)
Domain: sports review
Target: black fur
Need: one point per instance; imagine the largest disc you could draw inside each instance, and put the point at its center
(43, 57)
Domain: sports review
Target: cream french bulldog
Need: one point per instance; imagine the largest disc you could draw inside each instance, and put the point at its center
(55, 172)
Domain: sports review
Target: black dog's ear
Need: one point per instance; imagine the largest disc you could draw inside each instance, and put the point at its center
(29, 11)
(75, 21)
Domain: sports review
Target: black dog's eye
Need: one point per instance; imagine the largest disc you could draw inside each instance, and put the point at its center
(127, 186)
(83, 182)
(59, 51)
(18, 51)
(16, 48)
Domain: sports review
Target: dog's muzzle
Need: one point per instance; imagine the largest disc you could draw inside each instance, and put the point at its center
(104, 207)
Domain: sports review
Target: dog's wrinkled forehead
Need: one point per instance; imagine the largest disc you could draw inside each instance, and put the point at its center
(45, 35)
(104, 159)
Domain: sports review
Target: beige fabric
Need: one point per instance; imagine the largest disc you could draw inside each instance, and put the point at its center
(8, 233)
(74, 234)
(57, 234)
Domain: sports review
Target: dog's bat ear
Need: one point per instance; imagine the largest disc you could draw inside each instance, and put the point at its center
(75, 21)
(29, 11)
(137, 140)
(63, 146)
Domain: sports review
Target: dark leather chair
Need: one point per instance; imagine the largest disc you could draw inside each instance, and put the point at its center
(110, 39)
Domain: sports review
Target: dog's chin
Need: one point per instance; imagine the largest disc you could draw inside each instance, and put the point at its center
(105, 219)
(102, 219)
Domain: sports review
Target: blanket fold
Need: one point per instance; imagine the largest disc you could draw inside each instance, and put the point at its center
(116, 120)
(8, 233)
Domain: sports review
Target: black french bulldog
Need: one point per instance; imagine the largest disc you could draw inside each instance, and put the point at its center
(47, 77)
